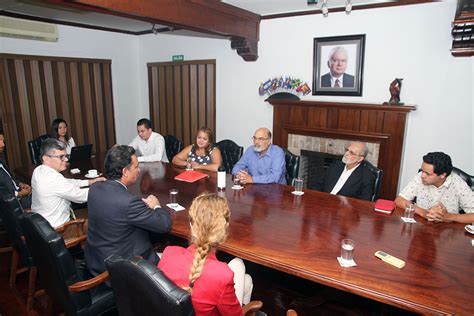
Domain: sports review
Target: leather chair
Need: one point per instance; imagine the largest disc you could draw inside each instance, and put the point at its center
(378, 179)
(292, 166)
(142, 289)
(465, 176)
(10, 212)
(34, 147)
(67, 282)
(173, 146)
(231, 153)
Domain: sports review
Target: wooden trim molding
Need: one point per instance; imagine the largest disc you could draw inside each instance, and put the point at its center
(375, 123)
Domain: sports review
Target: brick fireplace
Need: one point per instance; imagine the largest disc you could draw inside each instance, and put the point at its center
(329, 126)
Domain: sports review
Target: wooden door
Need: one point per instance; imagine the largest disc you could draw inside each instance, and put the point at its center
(182, 97)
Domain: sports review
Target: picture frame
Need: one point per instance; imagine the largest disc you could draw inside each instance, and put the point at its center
(338, 65)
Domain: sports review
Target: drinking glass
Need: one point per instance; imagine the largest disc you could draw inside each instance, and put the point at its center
(188, 164)
(236, 180)
(347, 249)
(410, 211)
(298, 185)
(174, 198)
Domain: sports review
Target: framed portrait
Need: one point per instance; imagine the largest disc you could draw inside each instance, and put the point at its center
(338, 65)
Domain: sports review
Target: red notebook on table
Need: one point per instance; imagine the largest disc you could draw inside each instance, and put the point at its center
(191, 176)
(384, 206)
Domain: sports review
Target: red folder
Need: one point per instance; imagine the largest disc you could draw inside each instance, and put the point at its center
(384, 206)
(191, 176)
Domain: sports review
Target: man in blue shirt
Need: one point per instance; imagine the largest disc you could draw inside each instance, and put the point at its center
(263, 162)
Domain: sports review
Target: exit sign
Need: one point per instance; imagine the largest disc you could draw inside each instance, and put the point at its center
(178, 57)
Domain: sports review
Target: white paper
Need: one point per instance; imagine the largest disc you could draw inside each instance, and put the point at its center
(346, 263)
(297, 193)
(408, 220)
(176, 208)
(75, 171)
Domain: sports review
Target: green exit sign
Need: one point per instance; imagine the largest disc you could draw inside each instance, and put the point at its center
(178, 57)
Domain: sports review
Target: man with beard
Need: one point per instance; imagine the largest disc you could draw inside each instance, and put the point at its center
(263, 162)
(349, 177)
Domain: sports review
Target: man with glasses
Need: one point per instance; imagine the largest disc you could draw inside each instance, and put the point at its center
(52, 192)
(263, 162)
(22, 191)
(337, 77)
(440, 194)
(349, 177)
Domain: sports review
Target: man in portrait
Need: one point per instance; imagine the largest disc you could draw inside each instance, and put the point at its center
(337, 63)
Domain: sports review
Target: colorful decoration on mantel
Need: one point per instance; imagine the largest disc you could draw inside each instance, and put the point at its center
(278, 84)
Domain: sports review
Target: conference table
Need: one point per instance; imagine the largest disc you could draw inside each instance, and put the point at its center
(301, 235)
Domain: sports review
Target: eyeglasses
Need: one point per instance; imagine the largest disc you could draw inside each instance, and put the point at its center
(62, 157)
(259, 139)
(352, 153)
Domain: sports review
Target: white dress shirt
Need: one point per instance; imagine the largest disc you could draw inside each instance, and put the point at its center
(333, 81)
(342, 179)
(53, 193)
(150, 150)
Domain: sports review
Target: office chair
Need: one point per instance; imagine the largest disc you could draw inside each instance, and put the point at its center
(231, 153)
(465, 176)
(34, 147)
(378, 179)
(292, 166)
(173, 146)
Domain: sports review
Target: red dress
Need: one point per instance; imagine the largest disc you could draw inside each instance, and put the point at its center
(213, 292)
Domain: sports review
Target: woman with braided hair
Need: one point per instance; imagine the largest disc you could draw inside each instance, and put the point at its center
(196, 268)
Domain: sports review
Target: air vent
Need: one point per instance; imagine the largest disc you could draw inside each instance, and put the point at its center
(19, 28)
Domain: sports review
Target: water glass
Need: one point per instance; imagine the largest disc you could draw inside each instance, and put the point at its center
(298, 185)
(236, 180)
(347, 249)
(188, 164)
(174, 198)
(410, 211)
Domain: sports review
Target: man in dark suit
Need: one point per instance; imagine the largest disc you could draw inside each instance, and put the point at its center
(349, 177)
(337, 77)
(21, 190)
(120, 222)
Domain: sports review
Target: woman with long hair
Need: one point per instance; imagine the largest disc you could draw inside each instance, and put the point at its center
(201, 155)
(59, 131)
(196, 268)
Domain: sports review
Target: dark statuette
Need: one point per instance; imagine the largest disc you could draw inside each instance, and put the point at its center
(394, 89)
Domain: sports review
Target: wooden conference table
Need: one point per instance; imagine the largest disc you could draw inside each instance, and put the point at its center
(301, 235)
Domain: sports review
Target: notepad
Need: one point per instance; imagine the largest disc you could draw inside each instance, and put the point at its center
(191, 176)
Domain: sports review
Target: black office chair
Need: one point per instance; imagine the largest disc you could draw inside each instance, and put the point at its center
(465, 176)
(292, 166)
(10, 212)
(231, 153)
(378, 179)
(173, 146)
(34, 147)
(67, 282)
(142, 289)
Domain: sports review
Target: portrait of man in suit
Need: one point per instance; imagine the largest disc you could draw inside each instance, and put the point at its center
(337, 64)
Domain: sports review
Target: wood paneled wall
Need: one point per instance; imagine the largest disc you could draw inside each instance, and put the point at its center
(182, 97)
(37, 89)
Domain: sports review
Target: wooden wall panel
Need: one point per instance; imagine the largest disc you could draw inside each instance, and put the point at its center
(37, 89)
(182, 97)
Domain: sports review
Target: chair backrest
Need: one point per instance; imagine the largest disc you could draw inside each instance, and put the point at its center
(378, 179)
(292, 166)
(465, 176)
(55, 265)
(10, 212)
(173, 146)
(34, 147)
(231, 153)
(142, 289)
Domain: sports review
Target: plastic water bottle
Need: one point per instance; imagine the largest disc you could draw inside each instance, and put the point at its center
(221, 178)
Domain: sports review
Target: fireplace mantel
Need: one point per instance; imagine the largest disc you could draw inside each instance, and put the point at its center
(383, 124)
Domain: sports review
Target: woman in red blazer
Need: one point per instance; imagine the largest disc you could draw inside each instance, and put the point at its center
(196, 268)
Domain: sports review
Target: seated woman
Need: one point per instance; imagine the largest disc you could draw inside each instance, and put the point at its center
(196, 268)
(59, 131)
(202, 155)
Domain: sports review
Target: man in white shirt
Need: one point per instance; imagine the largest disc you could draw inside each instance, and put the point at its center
(440, 194)
(349, 177)
(150, 146)
(52, 192)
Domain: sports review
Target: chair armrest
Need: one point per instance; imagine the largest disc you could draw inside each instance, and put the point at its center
(28, 210)
(252, 308)
(88, 284)
(62, 228)
(71, 242)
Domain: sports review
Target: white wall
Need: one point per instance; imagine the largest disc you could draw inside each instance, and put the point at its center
(122, 49)
(410, 42)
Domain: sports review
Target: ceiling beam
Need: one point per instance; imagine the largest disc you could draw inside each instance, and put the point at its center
(206, 16)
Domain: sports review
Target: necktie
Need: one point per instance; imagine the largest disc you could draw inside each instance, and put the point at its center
(337, 84)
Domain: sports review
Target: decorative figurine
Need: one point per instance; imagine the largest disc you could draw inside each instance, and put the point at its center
(394, 89)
